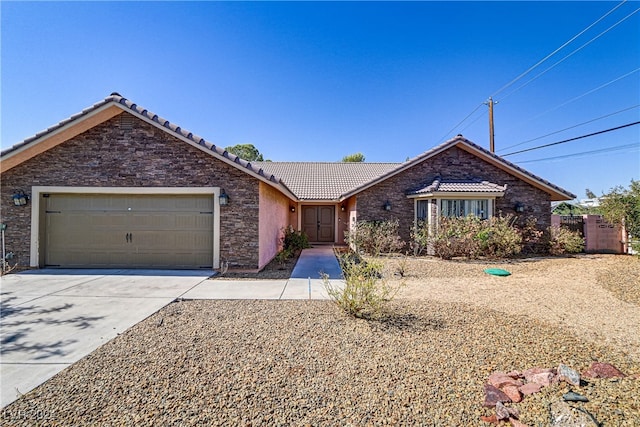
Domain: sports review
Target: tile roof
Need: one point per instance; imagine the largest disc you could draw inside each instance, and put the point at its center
(464, 143)
(304, 180)
(460, 186)
(325, 180)
(169, 127)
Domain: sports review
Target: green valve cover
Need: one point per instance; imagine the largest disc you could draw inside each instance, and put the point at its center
(497, 272)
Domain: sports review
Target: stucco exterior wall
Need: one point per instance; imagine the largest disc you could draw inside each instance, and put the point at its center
(117, 153)
(344, 218)
(453, 163)
(274, 216)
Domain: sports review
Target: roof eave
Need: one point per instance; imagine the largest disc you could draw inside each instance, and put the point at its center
(472, 194)
(556, 193)
(108, 108)
(58, 134)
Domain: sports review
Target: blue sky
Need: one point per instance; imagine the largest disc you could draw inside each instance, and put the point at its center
(314, 81)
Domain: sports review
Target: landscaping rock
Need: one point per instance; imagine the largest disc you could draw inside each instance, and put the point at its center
(516, 423)
(574, 397)
(502, 413)
(493, 395)
(602, 370)
(513, 392)
(500, 380)
(492, 419)
(542, 376)
(515, 374)
(568, 375)
(530, 388)
(564, 415)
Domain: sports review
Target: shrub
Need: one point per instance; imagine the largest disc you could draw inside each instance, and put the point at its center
(419, 237)
(472, 237)
(294, 240)
(564, 241)
(374, 237)
(503, 239)
(283, 256)
(533, 240)
(366, 292)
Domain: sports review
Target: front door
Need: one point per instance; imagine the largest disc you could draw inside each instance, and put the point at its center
(318, 223)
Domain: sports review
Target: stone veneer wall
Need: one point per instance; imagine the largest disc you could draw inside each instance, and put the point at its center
(116, 154)
(453, 163)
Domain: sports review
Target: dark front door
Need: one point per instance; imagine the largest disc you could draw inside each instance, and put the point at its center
(318, 223)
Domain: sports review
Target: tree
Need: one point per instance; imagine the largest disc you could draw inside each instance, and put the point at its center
(622, 206)
(353, 158)
(246, 152)
(590, 194)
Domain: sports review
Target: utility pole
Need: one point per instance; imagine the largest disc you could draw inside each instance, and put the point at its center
(490, 103)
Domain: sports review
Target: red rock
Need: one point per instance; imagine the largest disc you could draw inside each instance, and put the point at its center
(491, 419)
(530, 388)
(603, 370)
(513, 393)
(515, 375)
(516, 423)
(493, 395)
(542, 376)
(500, 379)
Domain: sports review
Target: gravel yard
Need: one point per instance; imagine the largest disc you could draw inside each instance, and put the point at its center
(307, 363)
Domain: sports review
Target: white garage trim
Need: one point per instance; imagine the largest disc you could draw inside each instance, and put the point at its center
(36, 191)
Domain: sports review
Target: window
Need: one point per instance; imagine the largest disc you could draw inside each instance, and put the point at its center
(464, 207)
(422, 210)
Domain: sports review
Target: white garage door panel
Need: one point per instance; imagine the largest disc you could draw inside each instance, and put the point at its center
(146, 231)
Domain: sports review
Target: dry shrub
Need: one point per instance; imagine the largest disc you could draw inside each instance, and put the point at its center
(374, 237)
(366, 292)
(564, 241)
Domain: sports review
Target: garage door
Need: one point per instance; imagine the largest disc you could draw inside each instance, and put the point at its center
(133, 231)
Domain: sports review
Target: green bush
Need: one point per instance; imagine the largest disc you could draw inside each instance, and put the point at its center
(564, 241)
(374, 237)
(294, 240)
(366, 292)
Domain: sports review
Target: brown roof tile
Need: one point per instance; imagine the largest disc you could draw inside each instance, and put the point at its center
(460, 186)
(325, 180)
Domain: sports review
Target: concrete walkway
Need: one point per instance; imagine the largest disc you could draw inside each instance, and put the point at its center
(315, 261)
(51, 318)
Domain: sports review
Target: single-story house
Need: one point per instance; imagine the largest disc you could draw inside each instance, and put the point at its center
(118, 186)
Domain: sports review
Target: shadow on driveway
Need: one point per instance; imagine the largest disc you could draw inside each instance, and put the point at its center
(19, 324)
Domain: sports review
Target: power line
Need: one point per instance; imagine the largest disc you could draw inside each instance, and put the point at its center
(584, 153)
(571, 54)
(556, 51)
(461, 121)
(589, 92)
(572, 139)
(472, 122)
(571, 127)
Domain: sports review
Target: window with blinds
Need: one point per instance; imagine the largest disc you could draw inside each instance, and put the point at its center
(464, 207)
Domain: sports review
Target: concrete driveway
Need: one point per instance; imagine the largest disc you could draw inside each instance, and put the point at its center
(52, 318)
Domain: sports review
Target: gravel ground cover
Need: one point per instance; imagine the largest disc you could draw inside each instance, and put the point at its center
(597, 297)
(307, 363)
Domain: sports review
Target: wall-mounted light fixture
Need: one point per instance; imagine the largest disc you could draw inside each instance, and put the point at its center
(343, 207)
(292, 208)
(519, 207)
(387, 206)
(223, 198)
(20, 199)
